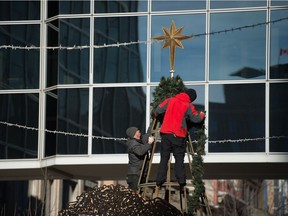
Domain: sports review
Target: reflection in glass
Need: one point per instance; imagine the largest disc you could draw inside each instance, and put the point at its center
(67, 111)
(190, 61)
(278, 117)
(16, 142)
(279, 45)
(19, 68)
(19, 10)
(216, 4)
(114, 110)
(123, 63)
(173, 5)
(74, 7)
(236, 112)
(74, 63)
(52, 54)
(278, 3)
(199, 104)
(237, 55)
(53, 8)
(51, 123)
(118, 6)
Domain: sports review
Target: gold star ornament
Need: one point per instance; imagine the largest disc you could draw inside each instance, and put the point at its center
(172, 38)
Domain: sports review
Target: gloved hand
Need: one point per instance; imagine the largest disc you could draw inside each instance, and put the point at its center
(150, 139)
(202, 115)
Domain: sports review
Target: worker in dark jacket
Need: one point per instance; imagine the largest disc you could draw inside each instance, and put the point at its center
(177, 111)
(137, 149)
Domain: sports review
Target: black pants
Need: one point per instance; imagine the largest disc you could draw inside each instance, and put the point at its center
(132, 181)
(176, 145)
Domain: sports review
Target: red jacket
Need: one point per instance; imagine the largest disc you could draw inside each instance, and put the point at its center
(178, 110)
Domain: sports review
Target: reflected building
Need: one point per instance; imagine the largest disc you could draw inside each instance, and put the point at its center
(75, 74)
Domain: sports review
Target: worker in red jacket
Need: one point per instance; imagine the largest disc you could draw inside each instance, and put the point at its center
(177, 110)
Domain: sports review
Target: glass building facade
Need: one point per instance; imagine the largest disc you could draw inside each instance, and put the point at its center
(73, 73)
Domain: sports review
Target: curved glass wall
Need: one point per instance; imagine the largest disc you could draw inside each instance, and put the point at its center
(98, 75)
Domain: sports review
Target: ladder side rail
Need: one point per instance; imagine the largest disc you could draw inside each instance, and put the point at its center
(146, 156)
(156, 134)
(150, 130)
(190, 152)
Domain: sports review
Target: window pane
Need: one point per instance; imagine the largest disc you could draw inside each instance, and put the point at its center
(114, 110)
(236, 3)
(126, 63)
(190, 61)
(117, 6)
(173, 5)
(53, 8)
(19, 68)
(74, 7)
(237, 112)
(237, 55)
(279, 45)
(74, 63)
(18, 142)
(19, 10)
(72, 117)
(199, 104)
(279, 3)
(51, 123)
(52, 54)
(278, 117)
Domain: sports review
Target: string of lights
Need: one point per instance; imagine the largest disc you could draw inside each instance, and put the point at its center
(124, 139)
(71, 48)
(78, 47)
(61, 132)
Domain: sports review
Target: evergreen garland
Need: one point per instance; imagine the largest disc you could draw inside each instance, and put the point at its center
(197, 173)
(169, 87)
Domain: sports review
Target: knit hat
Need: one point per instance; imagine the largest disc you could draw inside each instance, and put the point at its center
(192, 94)
(131, 131)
